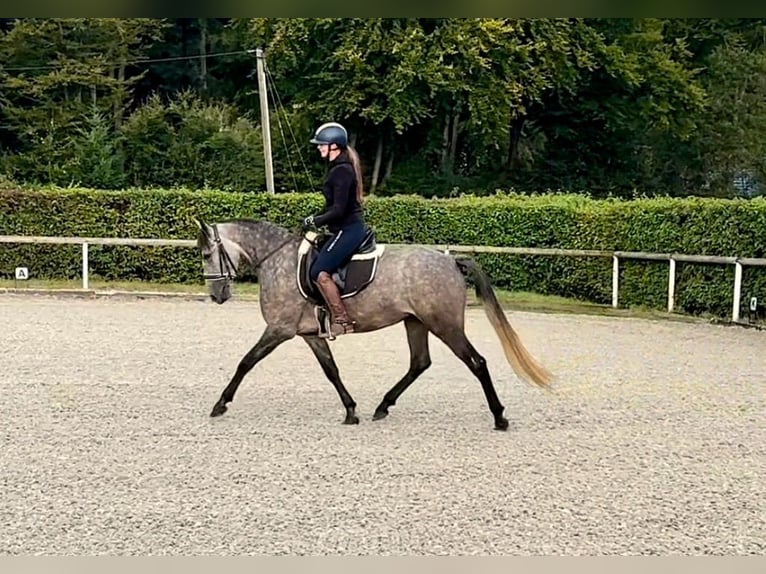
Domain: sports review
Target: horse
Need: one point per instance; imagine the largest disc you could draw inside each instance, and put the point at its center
(382, 285)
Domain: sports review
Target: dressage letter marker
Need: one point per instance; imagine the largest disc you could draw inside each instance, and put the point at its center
(22, 273)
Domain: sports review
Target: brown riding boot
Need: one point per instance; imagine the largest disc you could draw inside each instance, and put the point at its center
(337, 309)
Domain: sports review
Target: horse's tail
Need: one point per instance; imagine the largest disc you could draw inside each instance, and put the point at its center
(518, 357)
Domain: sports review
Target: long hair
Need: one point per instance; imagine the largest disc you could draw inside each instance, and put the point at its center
(358, 171)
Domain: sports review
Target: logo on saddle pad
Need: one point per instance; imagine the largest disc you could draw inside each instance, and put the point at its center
(351, 278)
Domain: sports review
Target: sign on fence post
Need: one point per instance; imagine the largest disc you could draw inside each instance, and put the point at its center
(22, 274)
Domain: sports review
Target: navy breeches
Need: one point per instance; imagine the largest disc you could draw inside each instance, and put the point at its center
(337, 250)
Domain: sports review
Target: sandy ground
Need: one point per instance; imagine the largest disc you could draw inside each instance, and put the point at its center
(654, 441)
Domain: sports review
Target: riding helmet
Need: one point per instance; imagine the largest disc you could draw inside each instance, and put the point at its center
(331, 133)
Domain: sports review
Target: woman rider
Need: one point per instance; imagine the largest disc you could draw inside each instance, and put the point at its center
(342, 214)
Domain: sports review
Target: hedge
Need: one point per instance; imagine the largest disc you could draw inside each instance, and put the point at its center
(681, 225)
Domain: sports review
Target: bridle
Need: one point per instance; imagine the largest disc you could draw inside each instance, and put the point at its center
(228, 271)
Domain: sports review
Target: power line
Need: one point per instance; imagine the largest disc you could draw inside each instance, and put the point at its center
(132, 62)
(278, 104)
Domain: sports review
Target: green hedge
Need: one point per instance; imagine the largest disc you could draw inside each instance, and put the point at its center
(688, 225)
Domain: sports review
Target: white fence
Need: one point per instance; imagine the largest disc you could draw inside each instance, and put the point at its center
(616, 256)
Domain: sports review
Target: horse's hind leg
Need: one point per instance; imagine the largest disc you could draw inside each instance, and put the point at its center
(323, 354)
(462, 347)
(269, 340)
(420, 360)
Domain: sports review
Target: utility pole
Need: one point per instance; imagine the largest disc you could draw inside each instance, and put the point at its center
(265, 120)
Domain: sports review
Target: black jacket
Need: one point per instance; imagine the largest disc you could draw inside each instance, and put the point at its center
(341, 205)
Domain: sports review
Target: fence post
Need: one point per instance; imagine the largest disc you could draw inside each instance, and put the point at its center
(737, 291)
(615, 280)
(84, 264)
(671, 285)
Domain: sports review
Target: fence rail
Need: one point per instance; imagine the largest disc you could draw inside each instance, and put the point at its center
(671, 258)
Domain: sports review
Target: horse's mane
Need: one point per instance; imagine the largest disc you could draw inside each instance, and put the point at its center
(257, 223)
(248, 221)
(251, 222)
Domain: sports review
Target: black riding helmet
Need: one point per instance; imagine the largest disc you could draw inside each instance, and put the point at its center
(331, 133)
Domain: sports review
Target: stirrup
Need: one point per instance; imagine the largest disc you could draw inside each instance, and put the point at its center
(329, 329)
(322, 316)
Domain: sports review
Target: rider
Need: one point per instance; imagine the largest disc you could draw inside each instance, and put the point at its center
(343, 191)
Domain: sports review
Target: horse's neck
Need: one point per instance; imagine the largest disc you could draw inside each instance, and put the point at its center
(257, 242)
(281, 252)
(271, 243)
(268, 248)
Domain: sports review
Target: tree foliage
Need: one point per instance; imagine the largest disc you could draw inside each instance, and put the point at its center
(436, 106)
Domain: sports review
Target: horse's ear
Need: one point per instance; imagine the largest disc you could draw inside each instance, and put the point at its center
(202, 226)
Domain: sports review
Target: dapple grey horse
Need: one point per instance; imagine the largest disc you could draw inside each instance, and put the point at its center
(422, 287)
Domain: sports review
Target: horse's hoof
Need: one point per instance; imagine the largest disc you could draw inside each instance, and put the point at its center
(501, 424)
(351, 420)
(218, 410)
(379, 414)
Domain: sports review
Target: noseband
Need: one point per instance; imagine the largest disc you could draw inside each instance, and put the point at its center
(226, 265)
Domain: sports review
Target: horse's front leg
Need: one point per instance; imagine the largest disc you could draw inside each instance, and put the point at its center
(323, 354)
(270, 339)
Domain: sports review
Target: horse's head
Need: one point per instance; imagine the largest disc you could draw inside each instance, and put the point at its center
(220, 258)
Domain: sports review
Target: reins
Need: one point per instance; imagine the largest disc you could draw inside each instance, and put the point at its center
(226, 265)
(273, 251)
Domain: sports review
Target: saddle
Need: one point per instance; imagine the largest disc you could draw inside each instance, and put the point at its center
(351, 278)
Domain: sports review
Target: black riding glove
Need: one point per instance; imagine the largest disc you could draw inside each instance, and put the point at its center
(308, 223)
